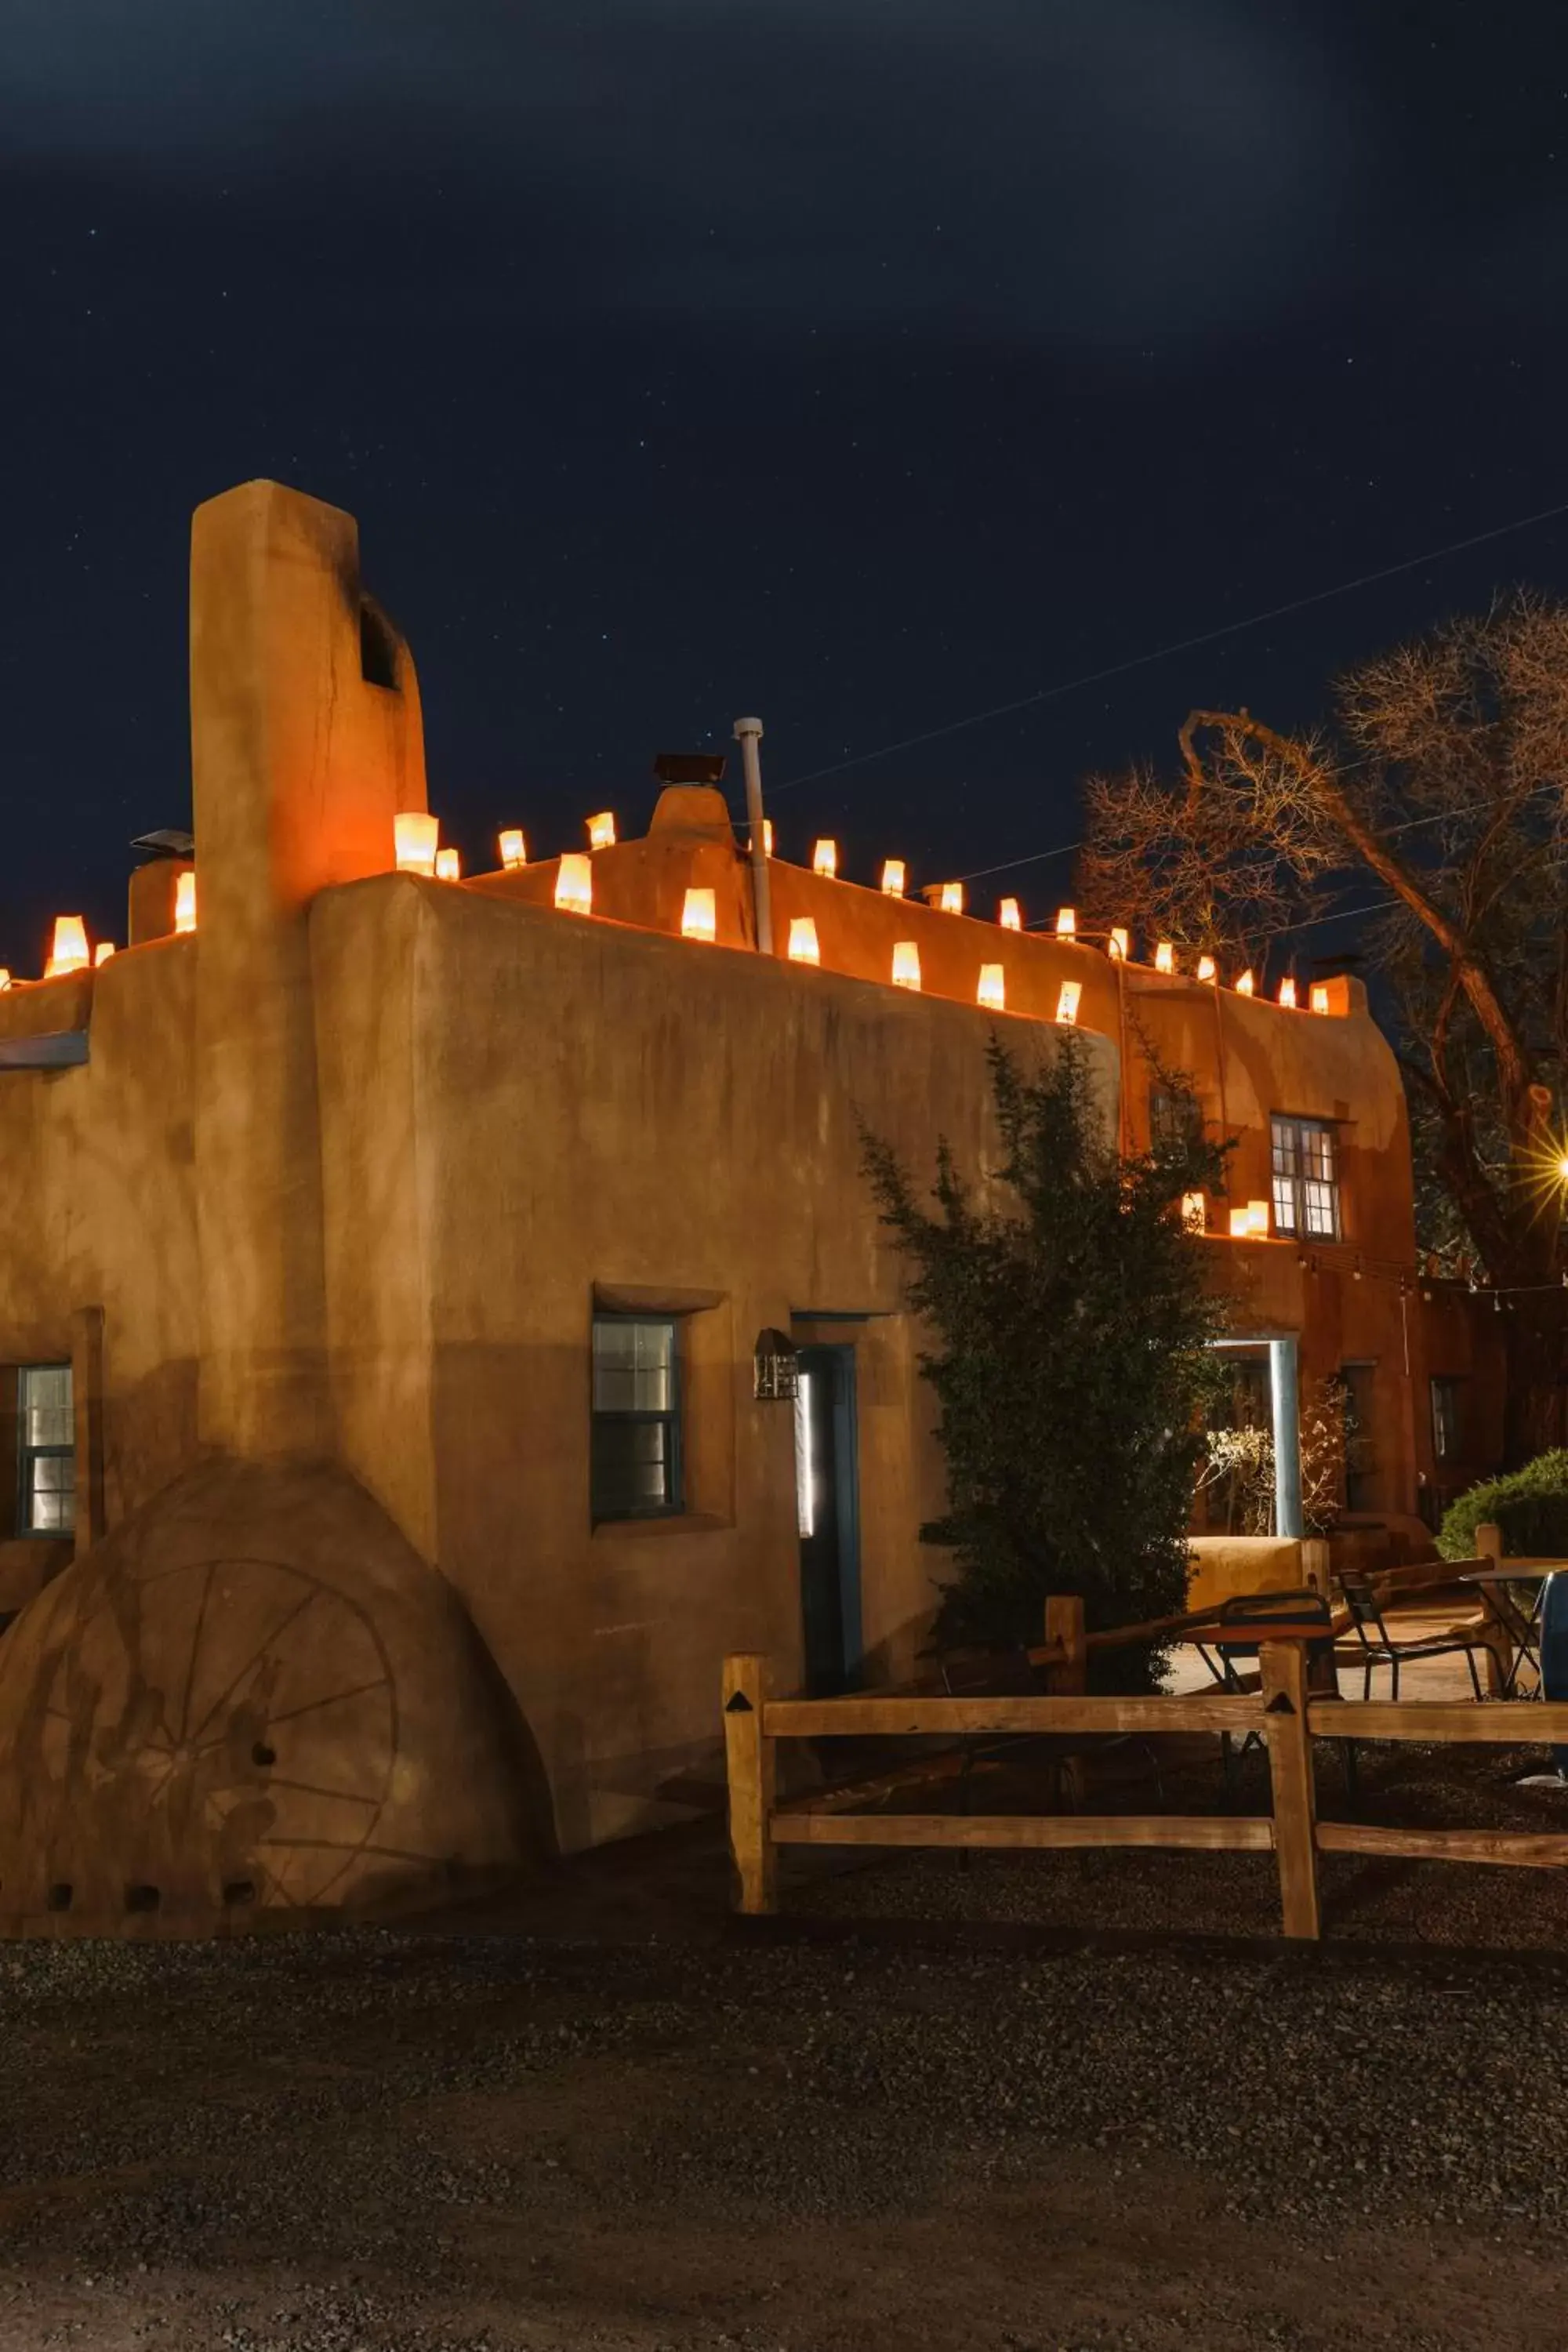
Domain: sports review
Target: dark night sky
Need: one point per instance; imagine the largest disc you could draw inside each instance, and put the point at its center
(863, 363)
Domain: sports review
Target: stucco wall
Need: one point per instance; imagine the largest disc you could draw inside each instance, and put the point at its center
(96, 1202)
(539, 1107)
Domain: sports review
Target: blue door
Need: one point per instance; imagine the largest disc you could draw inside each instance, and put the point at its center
(827, 1511)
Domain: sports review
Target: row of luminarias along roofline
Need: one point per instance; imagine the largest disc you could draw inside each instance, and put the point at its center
(70, 950)
(419, 852)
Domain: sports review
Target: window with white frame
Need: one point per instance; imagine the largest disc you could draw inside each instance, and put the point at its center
(635, 1468)
(1306, 1178)
(46, 1451)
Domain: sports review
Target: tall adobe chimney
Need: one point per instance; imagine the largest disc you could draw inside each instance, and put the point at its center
(305, 741)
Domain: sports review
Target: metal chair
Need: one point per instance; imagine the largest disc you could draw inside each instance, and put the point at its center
(1256, 1612)
(1379, 1647)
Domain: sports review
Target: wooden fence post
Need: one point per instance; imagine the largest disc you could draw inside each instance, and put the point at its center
(1283, 1676)
(1069, 1676)
(1315, 1565)
(1495, 1634)
(750, 1757)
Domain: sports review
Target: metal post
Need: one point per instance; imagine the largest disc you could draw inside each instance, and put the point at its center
(748, 734)
(1287, 1437)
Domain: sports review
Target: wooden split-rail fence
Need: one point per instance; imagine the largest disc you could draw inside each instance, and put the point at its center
(1282, 1711)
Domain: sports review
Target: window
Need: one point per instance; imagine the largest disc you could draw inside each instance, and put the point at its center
(46, 1451)
(1306, 1178)
(1175, 1119)
(636, 1463)
(1447, 1417)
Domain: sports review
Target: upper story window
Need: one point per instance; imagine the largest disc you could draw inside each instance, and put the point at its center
(46, 1451)
(1306, 1178)
(635, 1454)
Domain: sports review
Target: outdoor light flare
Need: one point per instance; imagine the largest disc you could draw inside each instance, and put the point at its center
(1066, 1001)
(802, 947)
(1066, 923)
(699, 915)
(574, 884)
(1164, 957)
(602, 830)
(1288, 994)
(1205, 967)
(1010, 915)
(448, 865)
(68, 951)
(906, 964)
(993, 989)
(894, 873)
(1119, 945)
(1246, 984)
(185, 902)
(415, 836)
(825, 859)
(514, 849)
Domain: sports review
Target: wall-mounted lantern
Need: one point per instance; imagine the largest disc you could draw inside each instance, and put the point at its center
(825, 859)
(1119, 945)
(1010, 915)
(514, 849)
(776, 1367)
(602, 830)
(893, 876)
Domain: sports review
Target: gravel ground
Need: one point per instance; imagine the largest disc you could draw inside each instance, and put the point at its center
(438, 2142)
(1238, 1894)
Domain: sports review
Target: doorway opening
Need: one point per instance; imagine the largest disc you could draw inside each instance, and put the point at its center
(827, 1515)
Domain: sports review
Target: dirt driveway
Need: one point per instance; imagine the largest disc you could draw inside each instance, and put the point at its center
(382, 2140)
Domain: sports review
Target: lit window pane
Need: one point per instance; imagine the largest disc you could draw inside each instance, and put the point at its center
(51, 1493)
(634, 1366)
(631, 1467)
(45, 1402)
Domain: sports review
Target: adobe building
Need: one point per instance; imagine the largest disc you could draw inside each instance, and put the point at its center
(390, 1266)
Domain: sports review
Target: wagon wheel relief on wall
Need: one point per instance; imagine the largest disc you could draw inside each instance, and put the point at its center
(241, 1717)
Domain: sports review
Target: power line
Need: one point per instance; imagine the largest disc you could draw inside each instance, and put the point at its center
(1163, 653)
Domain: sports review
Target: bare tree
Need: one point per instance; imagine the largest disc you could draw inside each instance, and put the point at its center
(1437, 807)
